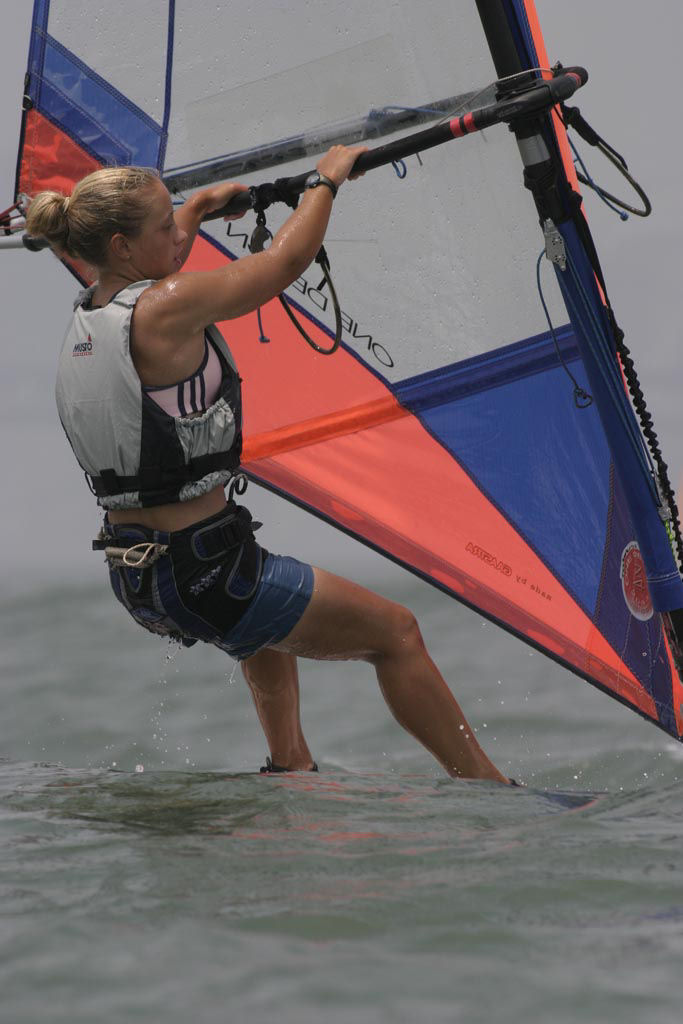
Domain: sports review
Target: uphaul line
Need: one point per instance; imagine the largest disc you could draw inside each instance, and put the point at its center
(533, 100)
(322, 302)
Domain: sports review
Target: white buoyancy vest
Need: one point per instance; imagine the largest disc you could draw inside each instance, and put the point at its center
(134, 453)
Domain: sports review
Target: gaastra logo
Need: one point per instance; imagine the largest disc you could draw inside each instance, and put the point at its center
(634, 583)
(491, 560)
(83, 348)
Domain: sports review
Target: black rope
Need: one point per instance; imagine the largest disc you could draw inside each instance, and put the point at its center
(572, 117)
(652, 439)
(238, 485)
(262, 336)
(262, 197)
(660, 471)
(324, 264)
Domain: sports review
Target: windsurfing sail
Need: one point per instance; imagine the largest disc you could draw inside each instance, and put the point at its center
(453, 430)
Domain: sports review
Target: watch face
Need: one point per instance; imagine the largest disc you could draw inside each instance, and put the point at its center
(313, 179)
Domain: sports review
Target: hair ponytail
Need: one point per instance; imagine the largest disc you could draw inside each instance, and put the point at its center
(47, 218)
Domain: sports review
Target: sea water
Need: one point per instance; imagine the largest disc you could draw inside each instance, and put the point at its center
(150, 873)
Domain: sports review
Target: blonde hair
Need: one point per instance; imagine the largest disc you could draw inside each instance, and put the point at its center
(102, 204)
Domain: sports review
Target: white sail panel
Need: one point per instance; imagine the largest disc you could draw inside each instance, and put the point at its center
(457, 239)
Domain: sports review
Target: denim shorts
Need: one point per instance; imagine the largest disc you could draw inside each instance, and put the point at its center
(280, 600)
(214, 583)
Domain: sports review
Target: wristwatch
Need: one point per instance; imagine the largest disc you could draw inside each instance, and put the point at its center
(316, 178)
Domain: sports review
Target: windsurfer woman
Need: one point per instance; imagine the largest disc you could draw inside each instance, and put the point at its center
(150, 400)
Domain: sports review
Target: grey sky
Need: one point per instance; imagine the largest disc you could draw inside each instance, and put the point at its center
(48, 516)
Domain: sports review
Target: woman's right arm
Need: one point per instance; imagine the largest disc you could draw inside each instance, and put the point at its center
(180, 305)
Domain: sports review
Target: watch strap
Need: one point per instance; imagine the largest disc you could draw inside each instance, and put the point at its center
(322, 179)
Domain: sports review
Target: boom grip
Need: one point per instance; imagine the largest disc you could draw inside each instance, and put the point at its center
(238, 204)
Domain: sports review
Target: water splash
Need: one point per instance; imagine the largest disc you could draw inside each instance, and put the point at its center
(231, 678)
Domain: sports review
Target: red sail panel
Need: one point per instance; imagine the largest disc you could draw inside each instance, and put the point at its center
(50, 159)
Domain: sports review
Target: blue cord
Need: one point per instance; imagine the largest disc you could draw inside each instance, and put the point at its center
(399, 165)
(596, 188)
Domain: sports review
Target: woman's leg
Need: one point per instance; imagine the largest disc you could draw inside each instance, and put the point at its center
(273, 679)
(345, 621)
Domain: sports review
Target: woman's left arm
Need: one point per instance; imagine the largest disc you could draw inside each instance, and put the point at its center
(189, 216)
